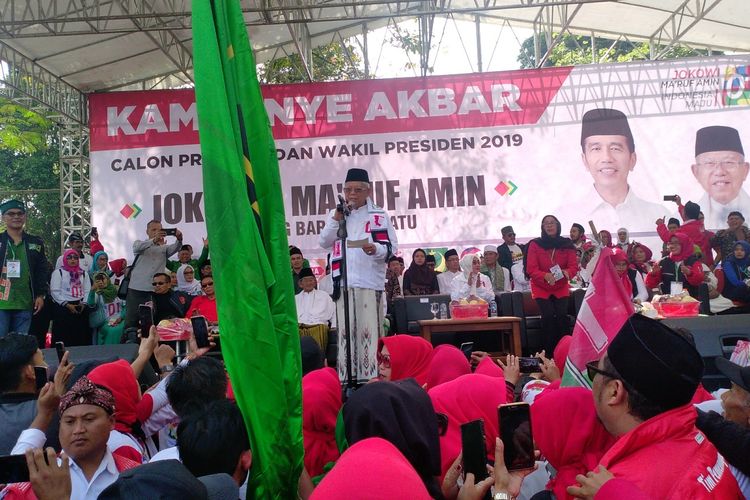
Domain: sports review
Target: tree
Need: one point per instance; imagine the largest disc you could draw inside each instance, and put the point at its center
(330, 63)
(576, 50)
(29, 163)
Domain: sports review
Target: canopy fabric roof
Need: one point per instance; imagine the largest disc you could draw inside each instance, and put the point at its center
(99, 45)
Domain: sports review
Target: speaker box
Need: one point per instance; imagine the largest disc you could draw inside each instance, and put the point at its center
(99, 354)
(714, 336)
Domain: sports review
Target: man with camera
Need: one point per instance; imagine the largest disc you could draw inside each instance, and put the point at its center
(370, 241)
(151, 258)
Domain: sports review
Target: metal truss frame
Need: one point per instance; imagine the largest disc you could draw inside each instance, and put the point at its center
(26, 83)
(75, 180)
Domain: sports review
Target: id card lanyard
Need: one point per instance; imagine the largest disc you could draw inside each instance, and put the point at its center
(13, 265)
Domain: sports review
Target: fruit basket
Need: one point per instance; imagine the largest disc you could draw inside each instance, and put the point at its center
(677, 309)
(469, 311)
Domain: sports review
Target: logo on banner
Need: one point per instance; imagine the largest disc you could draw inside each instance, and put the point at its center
(736, 86)
(131, 211)
(506, 187)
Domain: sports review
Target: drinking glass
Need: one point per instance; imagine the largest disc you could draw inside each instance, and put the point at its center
(434, 309)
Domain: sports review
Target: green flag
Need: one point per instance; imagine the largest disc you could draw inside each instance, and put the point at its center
(249, 249)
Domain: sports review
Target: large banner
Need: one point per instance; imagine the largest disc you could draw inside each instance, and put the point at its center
(452, 158)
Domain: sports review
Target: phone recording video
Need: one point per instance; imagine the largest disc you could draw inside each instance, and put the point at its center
(170, 231)
(200, 331)
(145, 319)
(515, 431)
(467, 348)
(670, 197)
(41, 377)
(530, 365)
(60, 349)
(13, 469)
(474, 449)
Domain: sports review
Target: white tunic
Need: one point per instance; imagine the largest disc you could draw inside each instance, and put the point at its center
(634, 213)
(716, 214)
(364, 271)
(314, 308)
(445, 280)
(460, 288)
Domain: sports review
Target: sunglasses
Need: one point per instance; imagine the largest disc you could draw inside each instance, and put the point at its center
(384, 359)
(72, 257)
(159, 283)
(15, 214)
(205, 285)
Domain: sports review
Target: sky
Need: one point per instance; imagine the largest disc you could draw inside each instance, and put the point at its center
(453, 48)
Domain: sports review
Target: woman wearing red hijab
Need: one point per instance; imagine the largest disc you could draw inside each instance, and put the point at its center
(448, 363)
(569, 435)
(680, 266)
(321, 402)
(467, 398)
(132, 412)
(606, 238)
(631, 279)
(371, 469)
(404, 356)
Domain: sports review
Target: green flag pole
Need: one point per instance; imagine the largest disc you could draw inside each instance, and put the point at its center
(249, 248)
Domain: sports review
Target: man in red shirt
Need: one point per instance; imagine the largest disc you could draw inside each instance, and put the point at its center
(642, 389)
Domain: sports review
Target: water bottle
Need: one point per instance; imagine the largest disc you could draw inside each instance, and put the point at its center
(443, 311)
(493, 308)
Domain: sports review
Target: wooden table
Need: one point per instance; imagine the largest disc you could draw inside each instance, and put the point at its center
(509, 328)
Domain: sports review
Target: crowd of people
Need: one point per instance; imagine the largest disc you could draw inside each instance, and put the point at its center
(399, 434)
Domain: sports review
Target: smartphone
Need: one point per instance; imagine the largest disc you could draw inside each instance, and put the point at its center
(41, 376)
(60, 348)
(474, 448)
(200, 331)
(467, 348)
(515, 431)
(670, 197)
(145, 319)
(170, 231)
(530, 365)
(13, 469)
(94, 232)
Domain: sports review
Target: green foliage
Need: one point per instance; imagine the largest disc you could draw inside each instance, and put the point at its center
(330, 64)
(28, 162)
(411, 44)
(22, 130)
(576, 50)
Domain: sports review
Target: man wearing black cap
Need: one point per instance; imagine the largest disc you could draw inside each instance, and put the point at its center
(642, 389)
(315, 309)
(24, 271)
(721, 169)
(608, 153)
(370, 241)
(452, 269)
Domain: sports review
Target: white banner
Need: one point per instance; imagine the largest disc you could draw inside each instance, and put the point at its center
(452, 158)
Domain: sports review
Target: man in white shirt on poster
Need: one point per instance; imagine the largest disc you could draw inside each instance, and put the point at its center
(608, 153)
(721, 170)
(452, 269)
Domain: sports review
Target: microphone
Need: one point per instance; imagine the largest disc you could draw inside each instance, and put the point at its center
(343, 207)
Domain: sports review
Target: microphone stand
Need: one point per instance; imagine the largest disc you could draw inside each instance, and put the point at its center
(342, 235)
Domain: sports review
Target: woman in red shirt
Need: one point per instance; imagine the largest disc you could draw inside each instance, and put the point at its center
(205, 305)
(550, 262)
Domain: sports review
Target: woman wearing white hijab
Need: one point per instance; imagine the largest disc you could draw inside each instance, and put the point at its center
(186, 281)
(471, 281)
